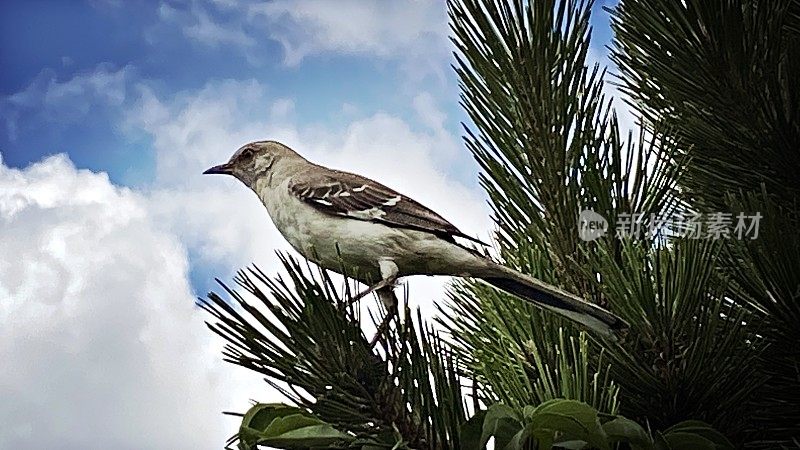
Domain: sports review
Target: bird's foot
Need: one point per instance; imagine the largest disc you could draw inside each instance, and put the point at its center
(389, 274)
(375, 287)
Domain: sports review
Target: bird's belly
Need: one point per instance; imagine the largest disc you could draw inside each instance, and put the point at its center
(330, 241)
(359, 245)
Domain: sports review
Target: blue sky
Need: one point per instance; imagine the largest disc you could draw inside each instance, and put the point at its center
(109, 112)
(52, 42)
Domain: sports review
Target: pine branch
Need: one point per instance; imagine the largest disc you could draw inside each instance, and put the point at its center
(301, 334)
(724, 74)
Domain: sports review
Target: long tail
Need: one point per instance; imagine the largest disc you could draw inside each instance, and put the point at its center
(556, 300)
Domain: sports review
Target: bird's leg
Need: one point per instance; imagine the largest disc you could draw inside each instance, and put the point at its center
(374, 288)
(389, 300)
(389, 273)
(385, 291)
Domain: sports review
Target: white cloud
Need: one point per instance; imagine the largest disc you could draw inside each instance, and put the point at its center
(411, 32)
(225, 4)
(308, 27)
(281, 109)
(66, 101)
(426, 109)
(215, 34)
(100, 342)
(217, 24)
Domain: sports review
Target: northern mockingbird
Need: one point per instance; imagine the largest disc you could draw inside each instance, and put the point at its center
(336, 218)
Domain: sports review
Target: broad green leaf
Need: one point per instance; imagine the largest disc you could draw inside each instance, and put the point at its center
(544, 438)
(282, 425)
(259, 416)
(502, 423)
(505, 434)
(518, 441)
(703, 429)
(622, 429)
(579, 411)
(678, 440)
(528, 412)
(548, 423)
(552, 415)
(471, 431)
(310, 436)
(286, 426)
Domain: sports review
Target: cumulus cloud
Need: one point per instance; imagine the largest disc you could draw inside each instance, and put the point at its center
(197, 24)
(100, 342)
(212, 33)
(309, 27)
(413, 33)
(66, 101)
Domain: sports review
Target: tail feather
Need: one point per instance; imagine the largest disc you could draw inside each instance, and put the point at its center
(557, 300)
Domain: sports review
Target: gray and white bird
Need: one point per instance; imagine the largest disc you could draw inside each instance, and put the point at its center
(336, 218)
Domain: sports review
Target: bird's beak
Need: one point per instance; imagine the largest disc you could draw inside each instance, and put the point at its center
(224, 169)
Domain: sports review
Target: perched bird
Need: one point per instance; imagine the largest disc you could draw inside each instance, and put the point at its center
(336, 218)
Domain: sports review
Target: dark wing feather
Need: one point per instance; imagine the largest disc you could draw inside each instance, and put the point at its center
(350, 195)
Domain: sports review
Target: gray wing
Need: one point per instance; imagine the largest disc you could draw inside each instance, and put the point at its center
(350, 195)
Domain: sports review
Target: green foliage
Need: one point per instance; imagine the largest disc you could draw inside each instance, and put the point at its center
(410, 394)
(283, 426)
(550, 146)
(553, 424)
(688, 353)
(575, 425)
(308, 342)
(724, 75)
(766, 272)
(520, 360)
(548, 141)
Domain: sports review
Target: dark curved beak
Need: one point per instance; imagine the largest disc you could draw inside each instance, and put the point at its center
(223, 169)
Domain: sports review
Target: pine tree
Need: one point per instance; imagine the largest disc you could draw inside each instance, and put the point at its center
(711, 359)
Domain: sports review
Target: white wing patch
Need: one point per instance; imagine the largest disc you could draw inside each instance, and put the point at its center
(392, 201)
(367, 214)
(360, 188)
(323, 202)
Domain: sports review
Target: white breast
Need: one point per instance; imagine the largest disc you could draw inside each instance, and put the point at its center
(285, 211)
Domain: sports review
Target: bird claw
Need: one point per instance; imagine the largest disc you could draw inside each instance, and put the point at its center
(375, 287)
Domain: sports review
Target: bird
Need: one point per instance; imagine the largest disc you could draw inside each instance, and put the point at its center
(345, 222)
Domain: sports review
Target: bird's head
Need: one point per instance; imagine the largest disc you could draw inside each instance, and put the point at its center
(255, 160)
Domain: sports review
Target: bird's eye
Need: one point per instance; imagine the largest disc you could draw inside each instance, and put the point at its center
(248, 152)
